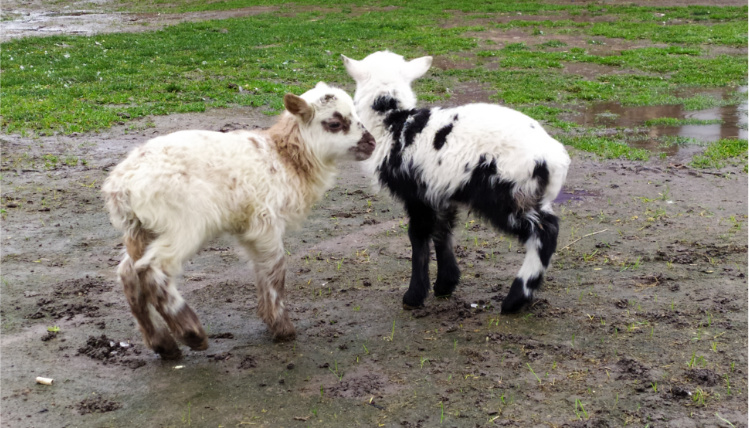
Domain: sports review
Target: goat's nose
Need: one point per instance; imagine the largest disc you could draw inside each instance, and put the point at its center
(368, 138)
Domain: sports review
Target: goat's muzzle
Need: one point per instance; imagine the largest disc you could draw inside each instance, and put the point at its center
(364, 148)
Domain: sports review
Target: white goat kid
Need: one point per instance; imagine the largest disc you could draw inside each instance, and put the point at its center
(494, 160)
(175, 192)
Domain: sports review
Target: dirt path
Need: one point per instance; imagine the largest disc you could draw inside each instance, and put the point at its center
(645, 305)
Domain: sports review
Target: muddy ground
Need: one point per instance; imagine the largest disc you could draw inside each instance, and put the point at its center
(643, 319)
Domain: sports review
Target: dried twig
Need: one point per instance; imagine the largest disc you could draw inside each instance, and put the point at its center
(584, 236)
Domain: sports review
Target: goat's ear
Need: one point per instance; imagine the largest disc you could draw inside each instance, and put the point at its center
(355, 69)
(417, 67)
(298, 107)
(321, 85)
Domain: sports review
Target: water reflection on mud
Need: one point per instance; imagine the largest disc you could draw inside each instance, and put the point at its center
(614, 115)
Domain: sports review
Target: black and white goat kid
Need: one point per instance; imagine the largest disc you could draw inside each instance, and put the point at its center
(493, 160)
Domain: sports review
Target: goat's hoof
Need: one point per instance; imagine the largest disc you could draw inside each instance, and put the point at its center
(412, 302)
(283, 330)
(168, 354)
(164, 344)
(512, 305)
(195, 340)
(287, 337)
(408, 307)
(445, 288)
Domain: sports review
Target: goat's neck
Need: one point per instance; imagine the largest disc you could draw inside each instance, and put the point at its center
(313, 174)
(374, 121)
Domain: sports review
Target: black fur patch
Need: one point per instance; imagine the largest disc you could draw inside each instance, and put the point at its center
(547, 233)
(492, 198)
(415, 126)
(441, 136)
(404, 185)
(395, 121)
(384, 104)
(541, 174)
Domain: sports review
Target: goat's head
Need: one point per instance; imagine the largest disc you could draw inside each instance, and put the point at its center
(329, 123)
(386, 76)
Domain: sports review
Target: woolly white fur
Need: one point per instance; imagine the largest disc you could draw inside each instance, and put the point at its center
(512, 139)
(189, 186)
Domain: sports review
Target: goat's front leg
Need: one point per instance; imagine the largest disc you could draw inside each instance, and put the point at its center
(448, 272)
(270, 269)
(420, 228)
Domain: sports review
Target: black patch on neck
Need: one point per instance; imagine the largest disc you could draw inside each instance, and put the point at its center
(414, 127)
(384, 104)
(441, 136)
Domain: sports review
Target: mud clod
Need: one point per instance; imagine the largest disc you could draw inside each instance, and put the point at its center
(96, 405)
(248, 362)
(704, 377)
(632, 369)
(111, 351)
(358, 387)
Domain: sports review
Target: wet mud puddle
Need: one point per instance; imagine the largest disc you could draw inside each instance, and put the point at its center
(716, 123)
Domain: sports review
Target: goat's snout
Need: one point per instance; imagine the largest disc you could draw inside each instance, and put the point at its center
(364, 147)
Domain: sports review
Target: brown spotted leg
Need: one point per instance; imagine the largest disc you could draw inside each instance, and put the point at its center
(155, 335)
(180, 318)
(270, 270)
(156, 271)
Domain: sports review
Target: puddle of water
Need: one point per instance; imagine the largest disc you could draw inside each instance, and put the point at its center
(567, 195)
(27, 23)
(49, 23)
(613, 114)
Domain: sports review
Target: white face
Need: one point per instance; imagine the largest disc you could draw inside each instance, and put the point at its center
(386, 73)
(331, 125)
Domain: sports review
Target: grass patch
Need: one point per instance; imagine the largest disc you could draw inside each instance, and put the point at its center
(673, 121)
(720, 153)
(78, 84)
(606, 148)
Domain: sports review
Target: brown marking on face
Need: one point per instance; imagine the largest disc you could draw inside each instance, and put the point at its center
(254, 142)
(337, 123)
(294, 154)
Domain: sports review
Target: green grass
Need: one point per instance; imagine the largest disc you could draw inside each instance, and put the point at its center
(721, 153)
(673, 121)
(605, 147)
(66, 84)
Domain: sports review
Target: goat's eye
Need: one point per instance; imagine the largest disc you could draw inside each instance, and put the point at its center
(334, 125)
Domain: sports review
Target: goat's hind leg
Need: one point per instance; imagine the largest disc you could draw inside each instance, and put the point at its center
(181, 319)
(448, 272)
(157, 269)
(155, 335)
(540, 244)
